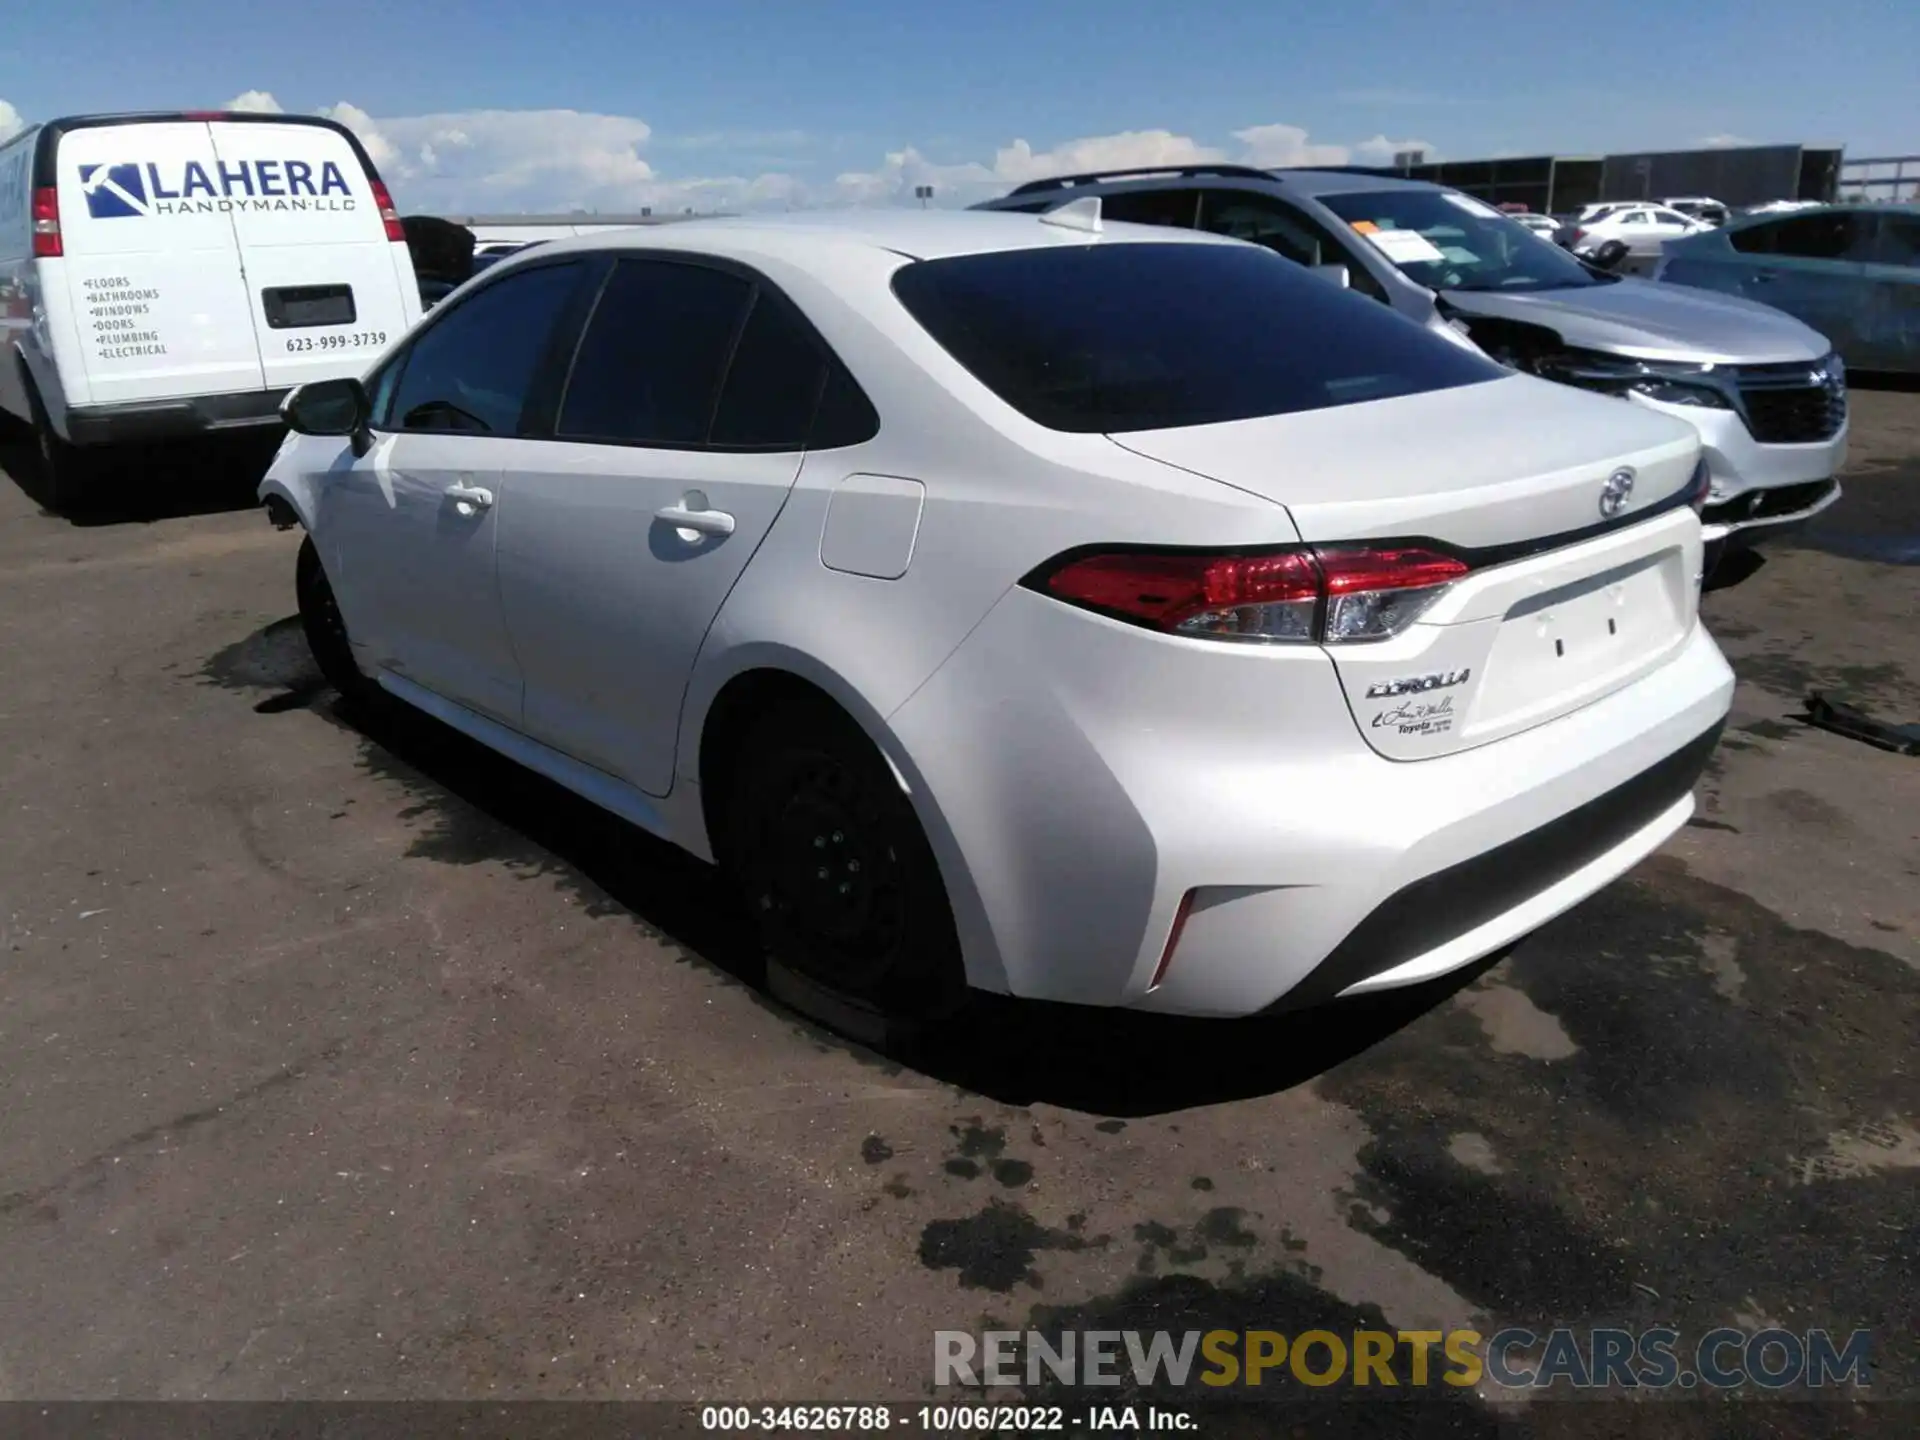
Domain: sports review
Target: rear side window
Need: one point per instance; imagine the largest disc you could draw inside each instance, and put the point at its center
(773, 385)
(1822, 235)
(471, 370)
(649, 366)
(1119, 337)
(1177, 208)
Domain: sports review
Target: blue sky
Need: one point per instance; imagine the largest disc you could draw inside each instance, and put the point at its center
(609, 103)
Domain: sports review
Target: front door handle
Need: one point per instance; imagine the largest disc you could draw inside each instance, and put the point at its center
(692, 517)
(1765, 277)
(470, 499)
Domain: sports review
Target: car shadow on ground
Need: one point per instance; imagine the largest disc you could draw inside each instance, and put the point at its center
(470, 805)
(146, 483)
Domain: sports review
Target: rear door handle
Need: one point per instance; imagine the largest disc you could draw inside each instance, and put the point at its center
(470, 499)
(700, 520)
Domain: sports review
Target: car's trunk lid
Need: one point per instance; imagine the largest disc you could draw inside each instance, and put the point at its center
(1568, 598)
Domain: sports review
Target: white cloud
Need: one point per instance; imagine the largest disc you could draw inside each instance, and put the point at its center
(1724, 142)
(507, 161)
(1272, 145)
(1380, 150)
(10, 122)
(379, 149)
(254, 102)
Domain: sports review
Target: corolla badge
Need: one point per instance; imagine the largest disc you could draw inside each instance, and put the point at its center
(1613, 495)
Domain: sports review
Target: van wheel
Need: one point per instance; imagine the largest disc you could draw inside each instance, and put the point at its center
(66, 471)
(326, 628)
(837, 872)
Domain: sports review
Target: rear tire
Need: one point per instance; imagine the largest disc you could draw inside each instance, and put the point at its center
(326, 628)
(837, 872)
(67, 472)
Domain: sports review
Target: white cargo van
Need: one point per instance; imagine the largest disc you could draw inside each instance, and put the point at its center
(176, 274)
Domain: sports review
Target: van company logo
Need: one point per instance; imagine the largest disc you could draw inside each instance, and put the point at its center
(117, 192)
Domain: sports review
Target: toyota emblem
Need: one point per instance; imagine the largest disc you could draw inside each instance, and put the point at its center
(1613, 495)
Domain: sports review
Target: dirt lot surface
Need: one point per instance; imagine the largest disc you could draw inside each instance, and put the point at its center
(342, 1059)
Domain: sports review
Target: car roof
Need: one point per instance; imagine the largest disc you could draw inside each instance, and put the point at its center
(1345, 182)
(1300, 183)
(911, 234)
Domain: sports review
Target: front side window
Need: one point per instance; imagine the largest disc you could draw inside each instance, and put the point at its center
(1448, 241)
(471, 370)
(1284, 230)
(1129, 336)
(649, 365)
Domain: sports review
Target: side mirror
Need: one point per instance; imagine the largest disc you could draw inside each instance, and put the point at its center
(329, 407)
(1336, 273)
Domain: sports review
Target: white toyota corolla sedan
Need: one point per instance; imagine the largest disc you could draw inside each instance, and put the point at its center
(1114, 614)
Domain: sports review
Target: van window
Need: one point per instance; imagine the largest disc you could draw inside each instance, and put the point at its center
(471, 370)
(1117, 338)
(650, 363)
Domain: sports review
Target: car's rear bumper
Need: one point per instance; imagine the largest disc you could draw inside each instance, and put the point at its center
(93, 425)
(1081, 779)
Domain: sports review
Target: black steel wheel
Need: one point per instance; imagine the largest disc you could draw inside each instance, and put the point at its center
(326, 628)
(836, 869)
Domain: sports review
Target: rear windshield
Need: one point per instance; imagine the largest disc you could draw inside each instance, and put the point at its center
(1109, 338)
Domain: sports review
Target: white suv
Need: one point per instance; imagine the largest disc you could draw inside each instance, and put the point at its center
(1114, 615)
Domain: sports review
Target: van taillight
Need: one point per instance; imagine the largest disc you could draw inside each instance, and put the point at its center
(390, 216)
(1323, 595)
(46, 224)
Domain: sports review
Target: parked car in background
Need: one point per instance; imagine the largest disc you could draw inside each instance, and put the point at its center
(1700, 207)
(495, 251)
(1641, 228)
(1601, 208)
(1852, 272)
(1544, 226)
(1758, 385)
(175, 274)
(1020, 602)
(1780, 207)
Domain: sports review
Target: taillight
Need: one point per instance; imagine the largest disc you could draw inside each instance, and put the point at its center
(1173, 940)
(1372, 594)
(390, 216)
(1310, 596)
(46, 224)
(1700, 487)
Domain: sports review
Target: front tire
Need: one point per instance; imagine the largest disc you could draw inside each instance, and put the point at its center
(836, 870)
(326, 628)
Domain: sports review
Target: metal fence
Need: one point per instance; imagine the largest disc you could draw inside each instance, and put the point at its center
(1881, 177)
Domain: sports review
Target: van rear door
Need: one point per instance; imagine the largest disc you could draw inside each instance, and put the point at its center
(152, 267)
(327, 290)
